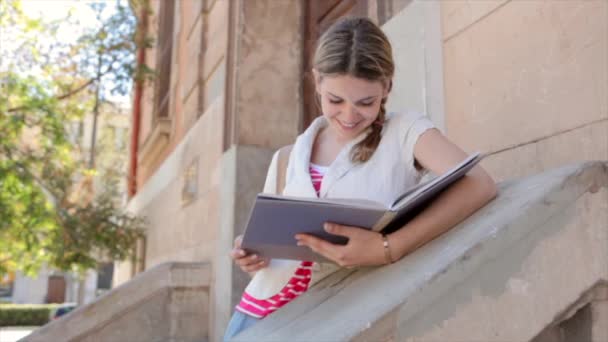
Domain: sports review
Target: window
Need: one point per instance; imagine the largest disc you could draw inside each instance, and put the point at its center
(6, 284)
(105, 272)
(158, 137)
(163, 66)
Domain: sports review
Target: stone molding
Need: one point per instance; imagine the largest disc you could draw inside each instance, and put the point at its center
(114, 314)
(479, 260)
(156, 141)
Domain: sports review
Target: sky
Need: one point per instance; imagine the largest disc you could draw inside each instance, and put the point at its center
(55, 9)
(82, 12)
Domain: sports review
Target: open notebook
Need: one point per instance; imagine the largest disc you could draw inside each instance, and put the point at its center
(276, 219)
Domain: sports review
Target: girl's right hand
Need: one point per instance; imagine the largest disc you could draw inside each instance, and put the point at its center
(249, 263)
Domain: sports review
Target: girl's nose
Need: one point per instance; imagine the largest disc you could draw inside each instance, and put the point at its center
(352, 112)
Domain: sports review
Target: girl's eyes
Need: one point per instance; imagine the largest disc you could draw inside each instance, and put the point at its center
(364, 104)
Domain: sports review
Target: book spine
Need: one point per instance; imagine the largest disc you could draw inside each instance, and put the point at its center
(384, 220)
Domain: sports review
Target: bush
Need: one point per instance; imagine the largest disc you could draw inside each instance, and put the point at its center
(26, 314)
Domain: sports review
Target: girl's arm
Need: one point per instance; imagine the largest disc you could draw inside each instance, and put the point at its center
(436, 153)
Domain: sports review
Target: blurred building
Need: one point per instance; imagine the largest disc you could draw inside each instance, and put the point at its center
(6, 286)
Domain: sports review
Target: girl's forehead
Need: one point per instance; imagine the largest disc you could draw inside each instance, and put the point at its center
(349, 86)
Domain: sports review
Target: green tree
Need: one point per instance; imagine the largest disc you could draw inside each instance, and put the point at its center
(49, 213)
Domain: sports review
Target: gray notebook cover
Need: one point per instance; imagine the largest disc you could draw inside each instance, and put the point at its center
(275, 219)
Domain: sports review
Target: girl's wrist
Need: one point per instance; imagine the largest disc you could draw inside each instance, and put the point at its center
(398, 242)
(388, 255)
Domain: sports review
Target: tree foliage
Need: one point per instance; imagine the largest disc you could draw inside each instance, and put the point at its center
(50, 212)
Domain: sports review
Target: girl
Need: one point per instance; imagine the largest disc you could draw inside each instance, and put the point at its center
(357, 150)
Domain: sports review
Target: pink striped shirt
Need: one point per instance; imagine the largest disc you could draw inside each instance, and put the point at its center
(316, 175)
(298, 283)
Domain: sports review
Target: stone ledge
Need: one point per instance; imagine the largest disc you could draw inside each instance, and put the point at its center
(401, 301)
(127, 301)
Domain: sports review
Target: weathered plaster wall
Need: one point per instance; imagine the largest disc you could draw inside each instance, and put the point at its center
(527, 81)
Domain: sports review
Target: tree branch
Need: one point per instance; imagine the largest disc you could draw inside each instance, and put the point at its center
(61, 97)
(77, 90)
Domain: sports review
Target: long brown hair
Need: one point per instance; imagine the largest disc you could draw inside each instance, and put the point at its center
(356, 46)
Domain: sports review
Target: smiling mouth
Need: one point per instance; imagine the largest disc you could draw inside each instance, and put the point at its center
(348, 125)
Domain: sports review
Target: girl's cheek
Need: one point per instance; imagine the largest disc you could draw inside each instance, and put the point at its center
(370, 113)
(331, 108)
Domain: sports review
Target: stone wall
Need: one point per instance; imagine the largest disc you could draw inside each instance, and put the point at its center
(526, 81)
(505, 274)
(231, 106)
(235, 98)
(197, 75)
(167, 303)
(263, 112)
(181, 200)
(415, 36)
(178, 183)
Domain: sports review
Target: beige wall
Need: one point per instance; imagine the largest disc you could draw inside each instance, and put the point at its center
(541, 107)
(264, 104)
(197, 74)
(180, 229)
(268, 60)
(415, 37)
(250, 91)
(266, 115)
(527, 81)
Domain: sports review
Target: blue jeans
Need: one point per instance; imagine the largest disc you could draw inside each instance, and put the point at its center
(238, 323)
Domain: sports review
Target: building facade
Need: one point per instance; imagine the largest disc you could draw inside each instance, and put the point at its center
(524, 81)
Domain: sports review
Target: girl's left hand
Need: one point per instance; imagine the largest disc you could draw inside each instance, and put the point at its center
(364, 247)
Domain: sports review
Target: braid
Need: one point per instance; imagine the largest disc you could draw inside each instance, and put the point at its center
(364, 150)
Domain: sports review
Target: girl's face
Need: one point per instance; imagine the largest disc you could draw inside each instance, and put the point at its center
(349, 104)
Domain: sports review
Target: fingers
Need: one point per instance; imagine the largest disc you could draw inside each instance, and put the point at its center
(325, 248)
(355, 252)
(338, 229)
(248, 263)
(237, 253)
(237, 241)
(256, 266)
